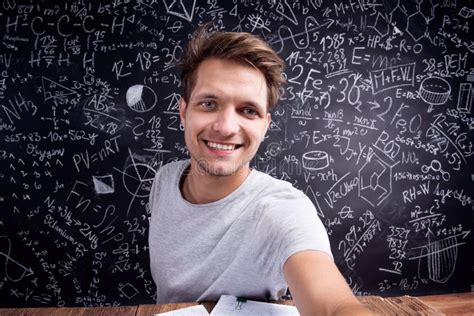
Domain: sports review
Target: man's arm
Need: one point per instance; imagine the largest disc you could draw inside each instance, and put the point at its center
(318, 287)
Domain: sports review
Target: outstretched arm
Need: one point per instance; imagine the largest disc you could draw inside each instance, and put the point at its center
(317, 286)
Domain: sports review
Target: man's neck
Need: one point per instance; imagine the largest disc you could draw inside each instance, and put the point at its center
(200, 188)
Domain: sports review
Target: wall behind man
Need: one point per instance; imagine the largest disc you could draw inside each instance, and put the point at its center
(375, 126)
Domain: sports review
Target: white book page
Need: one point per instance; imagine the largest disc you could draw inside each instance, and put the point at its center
(198, 310)
(229, 305)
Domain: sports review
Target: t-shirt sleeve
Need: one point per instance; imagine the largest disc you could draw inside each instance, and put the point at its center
(295, 226)
(155, 187)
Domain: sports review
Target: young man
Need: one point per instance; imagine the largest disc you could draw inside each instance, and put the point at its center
(217, 226)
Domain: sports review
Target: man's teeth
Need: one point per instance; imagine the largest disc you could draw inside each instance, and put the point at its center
(218, 146)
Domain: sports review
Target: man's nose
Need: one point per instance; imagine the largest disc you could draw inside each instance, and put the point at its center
(226, 123)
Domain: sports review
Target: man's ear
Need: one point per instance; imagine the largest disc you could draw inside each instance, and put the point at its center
(182, 110)
(268, 120)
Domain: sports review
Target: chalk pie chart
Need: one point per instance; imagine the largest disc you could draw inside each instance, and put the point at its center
(137, 179)
(141, 98)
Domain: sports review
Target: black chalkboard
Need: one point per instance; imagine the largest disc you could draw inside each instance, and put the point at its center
(375, 126)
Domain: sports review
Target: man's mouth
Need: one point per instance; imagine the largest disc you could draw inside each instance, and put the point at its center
(221, 146)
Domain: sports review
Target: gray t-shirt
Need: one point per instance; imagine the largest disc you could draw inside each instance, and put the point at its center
(237, 245)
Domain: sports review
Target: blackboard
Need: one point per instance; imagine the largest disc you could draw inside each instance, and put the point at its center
(375, 126)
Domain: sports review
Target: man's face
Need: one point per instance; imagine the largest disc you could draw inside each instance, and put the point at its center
(226, 117)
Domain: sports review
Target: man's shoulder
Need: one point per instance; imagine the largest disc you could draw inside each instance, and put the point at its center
(277, 190)
(279, 203)
(172, 168)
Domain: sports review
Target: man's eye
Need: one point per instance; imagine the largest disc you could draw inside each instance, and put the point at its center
(208, 105)
(250, 112)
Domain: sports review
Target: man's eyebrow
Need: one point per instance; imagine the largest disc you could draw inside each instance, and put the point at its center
(255, 105)
(206, 95)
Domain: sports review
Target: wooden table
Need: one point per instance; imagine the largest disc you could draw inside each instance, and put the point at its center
(451, 304)
(447, 304)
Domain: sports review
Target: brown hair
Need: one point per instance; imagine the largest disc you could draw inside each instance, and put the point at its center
(240, 47)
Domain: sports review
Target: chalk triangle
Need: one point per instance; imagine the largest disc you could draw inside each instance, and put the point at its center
(310, 193)
(233, 11)
(53, 90)
(287, 12)
(173, 106)
(182, 8)
(274, 127)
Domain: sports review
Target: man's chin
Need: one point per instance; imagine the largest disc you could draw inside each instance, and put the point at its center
(219, 169)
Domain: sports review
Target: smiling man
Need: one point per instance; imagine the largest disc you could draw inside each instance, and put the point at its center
(219, 227)
(225, 120)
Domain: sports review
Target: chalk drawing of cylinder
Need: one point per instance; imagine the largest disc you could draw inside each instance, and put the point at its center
(465, 97)
(315, 160)
(434, 91)
(141, 98)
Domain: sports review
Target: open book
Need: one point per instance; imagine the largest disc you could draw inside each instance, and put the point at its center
(229, 305)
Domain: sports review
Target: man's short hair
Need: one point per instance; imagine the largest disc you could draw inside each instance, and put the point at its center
(240, 47)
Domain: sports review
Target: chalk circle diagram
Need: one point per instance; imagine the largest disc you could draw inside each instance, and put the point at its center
(434, 91)
(137, 179)
(141, 98)
(315, 160)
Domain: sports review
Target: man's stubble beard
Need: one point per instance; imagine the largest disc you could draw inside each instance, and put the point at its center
(206, 169)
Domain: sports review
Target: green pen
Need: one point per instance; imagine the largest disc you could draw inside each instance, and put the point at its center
(240, 302)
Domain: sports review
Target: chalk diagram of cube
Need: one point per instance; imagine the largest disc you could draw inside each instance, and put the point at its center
(104, 184)
(375, 181)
